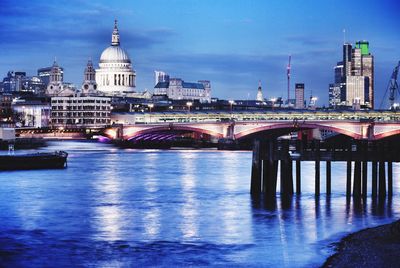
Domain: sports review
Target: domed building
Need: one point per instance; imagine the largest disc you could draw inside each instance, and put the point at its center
(115, 75)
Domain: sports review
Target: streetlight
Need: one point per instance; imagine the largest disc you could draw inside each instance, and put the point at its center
(231, 102)
(150, 105)
(189, 104)
(273, 103)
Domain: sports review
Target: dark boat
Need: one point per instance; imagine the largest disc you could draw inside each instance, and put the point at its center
(54, 160)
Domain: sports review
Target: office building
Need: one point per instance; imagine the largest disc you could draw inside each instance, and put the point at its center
(299, 96)
(80, 111)
(354, 78)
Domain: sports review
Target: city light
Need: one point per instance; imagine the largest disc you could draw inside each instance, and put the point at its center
(189, 104)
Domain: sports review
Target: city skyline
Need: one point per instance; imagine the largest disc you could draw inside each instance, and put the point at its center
(234, 45)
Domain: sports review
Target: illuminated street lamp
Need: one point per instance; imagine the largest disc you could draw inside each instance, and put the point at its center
(189, 104)
(273, 103)
(150, 105)
(231, 102)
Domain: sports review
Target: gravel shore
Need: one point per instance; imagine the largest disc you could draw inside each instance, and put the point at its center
(372, 247)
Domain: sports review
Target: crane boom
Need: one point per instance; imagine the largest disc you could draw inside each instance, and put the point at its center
(393, 86)
(288, 80)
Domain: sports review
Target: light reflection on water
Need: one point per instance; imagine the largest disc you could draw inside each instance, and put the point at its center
(135, 207)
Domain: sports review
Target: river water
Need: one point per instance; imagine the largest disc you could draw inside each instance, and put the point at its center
(135, 208)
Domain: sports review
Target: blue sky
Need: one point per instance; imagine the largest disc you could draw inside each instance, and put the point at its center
(233, 43)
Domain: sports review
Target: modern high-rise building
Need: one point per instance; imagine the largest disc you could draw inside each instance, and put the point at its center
(354, 78)
(299, 95)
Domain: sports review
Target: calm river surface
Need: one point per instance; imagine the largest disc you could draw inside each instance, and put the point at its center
(135, 208)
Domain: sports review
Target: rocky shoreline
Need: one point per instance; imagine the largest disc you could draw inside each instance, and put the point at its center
(372, 247)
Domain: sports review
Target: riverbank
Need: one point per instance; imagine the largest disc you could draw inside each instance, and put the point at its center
(372, 247)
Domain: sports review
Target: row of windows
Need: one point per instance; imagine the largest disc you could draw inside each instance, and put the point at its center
(82, 101)
(86, 107)
(84, 114)
(80, 121)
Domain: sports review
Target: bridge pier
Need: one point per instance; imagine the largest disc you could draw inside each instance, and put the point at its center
(269, 154)
(357, 179)
(328, 177)
(317, 168)
(255, 188)
(374, 183)
(390, 179)
(298, 176)
(382, 182)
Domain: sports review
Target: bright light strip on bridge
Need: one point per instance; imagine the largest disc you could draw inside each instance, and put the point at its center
(240, 116)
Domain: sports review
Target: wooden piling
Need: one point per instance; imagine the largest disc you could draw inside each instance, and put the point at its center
(255, 188)
(298, 177)
(317, 168)
(348, 181)
(364, 178)
(382, 182)
(390, 179)
(357, 179)
(374, 178)
(328, 177)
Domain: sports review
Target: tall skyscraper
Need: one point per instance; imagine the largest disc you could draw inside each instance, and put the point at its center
(354, 78)
(299, 94)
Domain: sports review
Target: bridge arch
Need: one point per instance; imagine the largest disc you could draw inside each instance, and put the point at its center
(295, 127)
(136, 132)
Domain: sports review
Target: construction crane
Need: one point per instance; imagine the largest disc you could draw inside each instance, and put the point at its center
(392, 89)
(288, 81)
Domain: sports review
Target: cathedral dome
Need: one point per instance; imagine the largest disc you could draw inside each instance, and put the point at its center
(114, 54)
(115, 75)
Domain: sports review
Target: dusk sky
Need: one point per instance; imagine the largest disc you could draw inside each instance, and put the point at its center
(232, 43)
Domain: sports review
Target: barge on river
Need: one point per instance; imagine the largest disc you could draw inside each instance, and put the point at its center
(56, 160)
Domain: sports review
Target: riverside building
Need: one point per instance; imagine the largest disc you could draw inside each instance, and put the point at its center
(80, 112)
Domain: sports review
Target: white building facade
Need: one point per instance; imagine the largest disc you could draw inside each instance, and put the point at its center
(115, 75)
(177, 89)
(77, 112)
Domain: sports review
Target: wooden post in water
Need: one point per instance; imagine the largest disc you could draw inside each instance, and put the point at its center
(374, 178)
(348, 181)
(328, 177)
(382, 182)
(317, 167)
(255, 187)
(286, 170)
(364, 169)
(357, 179)
(390, 179)
(298, 176)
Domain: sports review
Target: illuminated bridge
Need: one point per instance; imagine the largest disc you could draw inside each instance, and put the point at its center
(359, 125)
(366, 137)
